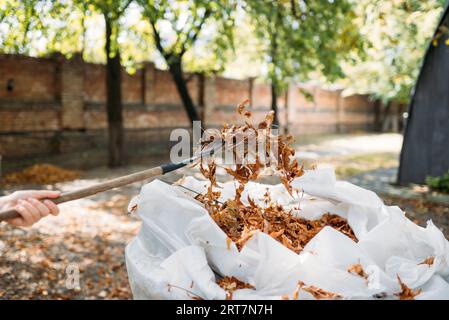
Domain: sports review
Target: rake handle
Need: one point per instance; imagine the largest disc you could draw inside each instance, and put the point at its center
(101, 187)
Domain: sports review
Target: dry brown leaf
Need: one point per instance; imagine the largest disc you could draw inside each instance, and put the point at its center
(133, 209)
(231, 284)
(318, 293)
(358, 270)
(429, 261)
(406, 293)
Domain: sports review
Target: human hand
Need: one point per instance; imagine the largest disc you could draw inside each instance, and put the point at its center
(28, 205)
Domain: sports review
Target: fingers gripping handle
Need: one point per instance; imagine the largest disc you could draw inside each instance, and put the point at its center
(8, 214)
(11, 213)
(89, 191)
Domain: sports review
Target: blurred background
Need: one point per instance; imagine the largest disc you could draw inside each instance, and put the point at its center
(91, 90)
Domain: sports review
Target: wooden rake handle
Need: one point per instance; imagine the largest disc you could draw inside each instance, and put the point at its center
(103, 186)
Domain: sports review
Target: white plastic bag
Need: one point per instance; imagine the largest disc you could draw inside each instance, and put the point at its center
(180, 250)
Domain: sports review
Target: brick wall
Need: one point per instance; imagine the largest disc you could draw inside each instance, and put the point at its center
(54, 107)
(33, 80)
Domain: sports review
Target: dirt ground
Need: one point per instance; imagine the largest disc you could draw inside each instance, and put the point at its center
(80, 253)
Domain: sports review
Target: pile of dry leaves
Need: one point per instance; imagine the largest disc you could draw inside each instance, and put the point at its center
(41, 174)
(240, 221)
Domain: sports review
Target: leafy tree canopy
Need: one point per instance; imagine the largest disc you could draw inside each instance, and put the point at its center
(397, 34)
(377, 46)
(200, 30)
(304, 38)
(41, 27)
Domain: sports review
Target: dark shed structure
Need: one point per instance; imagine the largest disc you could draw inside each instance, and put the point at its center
(425, 150)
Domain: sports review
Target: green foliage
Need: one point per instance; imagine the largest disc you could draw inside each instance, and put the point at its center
(19, 19)
(40, 27)
(73, 26)
(397, 34)
(181, 26)
(111, 10)
(66, 32)
(304, 39)
(376, 46)
(440, 184)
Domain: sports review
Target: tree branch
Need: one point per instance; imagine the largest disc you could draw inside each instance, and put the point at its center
(192, 40)
(2, 16)
(120, 12)
(158, 41)
(293, 5)
(108, 32)
(28, 15)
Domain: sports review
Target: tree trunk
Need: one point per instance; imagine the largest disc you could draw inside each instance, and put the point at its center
(386, 119)
(273, 49)
(114, 102)
(175, 69)
(274, 103)
(378, 116)
(201, 97)
(286, 129)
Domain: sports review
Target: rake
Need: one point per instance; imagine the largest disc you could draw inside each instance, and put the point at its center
(122, 181)
(211, 148)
